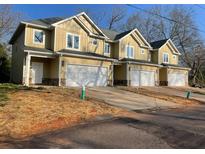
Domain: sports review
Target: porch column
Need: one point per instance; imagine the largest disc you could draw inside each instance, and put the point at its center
(112, 71)
(59, 70)
(28, 59)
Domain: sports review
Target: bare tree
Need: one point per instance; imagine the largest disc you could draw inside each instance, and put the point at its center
(106, 19)
(181, 28)
(97, 16)
(117, 15)
(8, 21)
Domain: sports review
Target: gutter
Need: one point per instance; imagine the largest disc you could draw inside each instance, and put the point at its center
(182, 68)
(85, 56)
(35, 25)
(140, 63)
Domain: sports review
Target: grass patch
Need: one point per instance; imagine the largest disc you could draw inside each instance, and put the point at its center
(4, 89)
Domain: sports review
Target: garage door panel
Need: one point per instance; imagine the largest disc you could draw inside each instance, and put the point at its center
(176, 79)
(142, 78)
(78, 75)
(135, 78)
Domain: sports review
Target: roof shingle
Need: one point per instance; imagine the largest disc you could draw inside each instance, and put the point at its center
(158, 44)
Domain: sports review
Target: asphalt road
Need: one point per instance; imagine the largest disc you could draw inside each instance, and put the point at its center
(141, 129)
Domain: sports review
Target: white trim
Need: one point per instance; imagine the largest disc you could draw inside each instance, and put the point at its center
(107, 53)
(172, 46)
(73, 35)
(126, 51)
(44, 36)
(35, 25)
(148, 45)
(59, 71)
(76, 17)
(83, 13)
(38, 52)
(85, 56)
(179, 68)
(140, 63)
(165, 53)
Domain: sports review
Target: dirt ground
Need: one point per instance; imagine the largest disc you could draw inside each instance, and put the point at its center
(165, 96)
(37, 110)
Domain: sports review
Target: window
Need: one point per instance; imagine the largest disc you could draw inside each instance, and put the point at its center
(129, 51)
(107, 48)
(165, 58)
(38, 36)
(142, 51)
(94, 42)
(73, 41)
(174, 56)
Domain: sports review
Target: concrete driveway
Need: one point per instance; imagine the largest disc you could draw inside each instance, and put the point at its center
(197, 94)
(128, 100)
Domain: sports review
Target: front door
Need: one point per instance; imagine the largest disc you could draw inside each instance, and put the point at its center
(37, 72)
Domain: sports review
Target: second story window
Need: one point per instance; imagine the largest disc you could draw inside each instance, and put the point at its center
(165, 58)
(72, 41)
(39, 36)
(107, 48)
(129, 51)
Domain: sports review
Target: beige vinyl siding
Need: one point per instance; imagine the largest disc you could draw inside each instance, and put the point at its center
(73, 27)
(30, 38)
(18, 59)
(88, 25)
(115, 50)
(137, 49)
(154, 56)
(168, 50)
(120, 72)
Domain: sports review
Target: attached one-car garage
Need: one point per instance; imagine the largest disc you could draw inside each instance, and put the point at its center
(177, 79)
(173, 76)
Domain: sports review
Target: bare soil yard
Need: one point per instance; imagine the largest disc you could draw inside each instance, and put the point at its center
(162, 96)
(28, 111)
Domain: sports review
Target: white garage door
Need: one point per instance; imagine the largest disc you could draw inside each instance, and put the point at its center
(176, 79)
(142, 78)
(79, 75)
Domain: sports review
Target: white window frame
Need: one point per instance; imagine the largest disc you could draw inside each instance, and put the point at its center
(126, 51)
(142, 51)
(38, 30)
(164, 58)
(107, 53)
(73, 35)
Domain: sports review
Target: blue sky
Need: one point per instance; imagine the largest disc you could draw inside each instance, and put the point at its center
(53, 10)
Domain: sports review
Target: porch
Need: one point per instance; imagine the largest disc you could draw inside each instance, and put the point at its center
(41, 68)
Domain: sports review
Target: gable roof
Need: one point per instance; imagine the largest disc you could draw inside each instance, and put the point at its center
(114, 35)
(158, 44)
(76, 17)
(46, 21)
